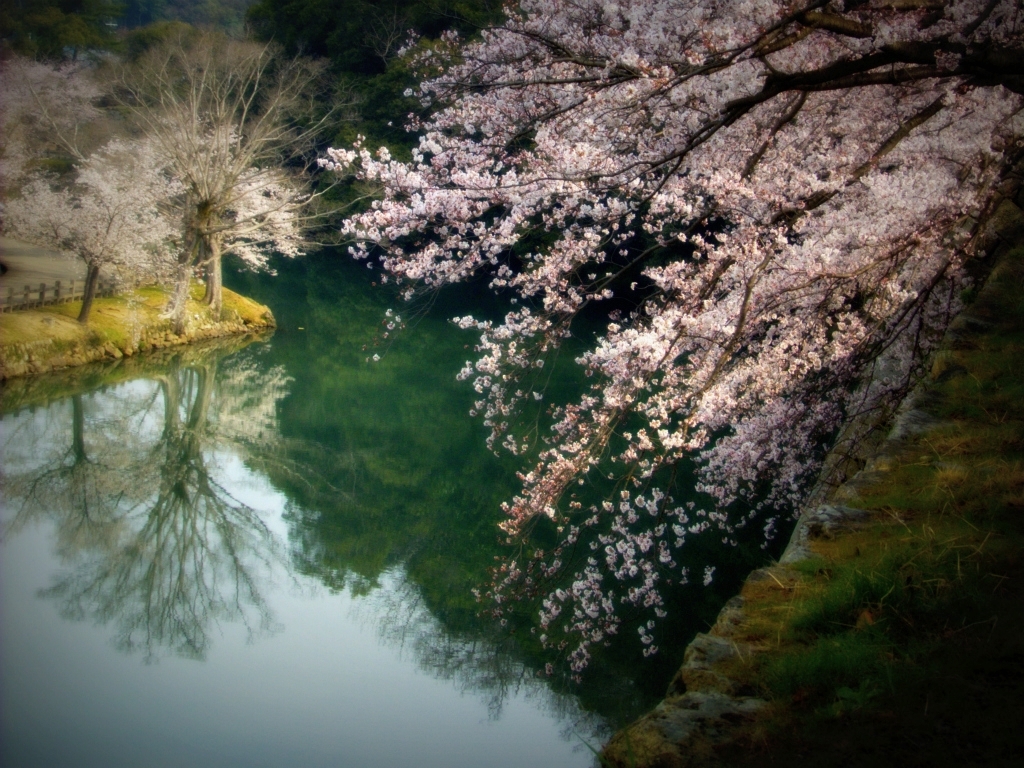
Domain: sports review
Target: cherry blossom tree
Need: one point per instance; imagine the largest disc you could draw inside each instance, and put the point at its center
(770, 203)
(105, 203)
(229, 118)
(113, 216)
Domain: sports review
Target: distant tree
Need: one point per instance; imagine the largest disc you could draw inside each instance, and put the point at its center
(48, 116)
(233, 123)
(113, 215)
(141, 13)
(360, 36)
(768, 204)
(58, 29)
(361, 40)
(137, 41)
(226, 15)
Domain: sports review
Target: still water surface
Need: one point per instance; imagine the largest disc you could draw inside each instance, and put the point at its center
(260, 554)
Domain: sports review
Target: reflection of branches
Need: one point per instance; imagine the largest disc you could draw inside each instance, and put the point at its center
(192, 557)
(191, 563)
(247, 418)
(248, 394)
(71, 478)
(181, 552)
(302, 464)
(489, 666)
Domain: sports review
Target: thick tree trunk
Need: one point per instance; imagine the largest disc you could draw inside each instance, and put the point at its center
(214, 285)
(190, 254)
(199, 410)
(171, 389)
(92, 281)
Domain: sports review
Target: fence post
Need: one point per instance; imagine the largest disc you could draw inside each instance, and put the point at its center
(59, 292)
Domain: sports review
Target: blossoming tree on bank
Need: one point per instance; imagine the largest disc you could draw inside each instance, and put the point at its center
(227, 116)
(70, 187)
(216, 121)
(773, 200)
(112, 216)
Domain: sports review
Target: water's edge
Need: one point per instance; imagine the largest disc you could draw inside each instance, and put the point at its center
(59, 342)
(706, 705)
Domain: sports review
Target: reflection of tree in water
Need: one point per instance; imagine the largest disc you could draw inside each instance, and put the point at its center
(68, 473)
(490, 665)
(170, 550)
(384, 475)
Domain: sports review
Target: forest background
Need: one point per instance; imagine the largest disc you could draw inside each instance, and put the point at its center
(360, 38)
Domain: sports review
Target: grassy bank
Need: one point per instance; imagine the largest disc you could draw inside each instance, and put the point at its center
(49, 338)
(32, 391)
(901, 640)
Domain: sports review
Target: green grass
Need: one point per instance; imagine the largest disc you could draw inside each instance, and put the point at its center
(902, 642)
(127, 321)
(30, 391)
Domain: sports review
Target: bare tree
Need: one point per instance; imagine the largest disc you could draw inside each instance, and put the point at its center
(387, 32)
(234, 122)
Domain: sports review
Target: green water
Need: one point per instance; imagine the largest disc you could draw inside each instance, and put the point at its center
(261, 552)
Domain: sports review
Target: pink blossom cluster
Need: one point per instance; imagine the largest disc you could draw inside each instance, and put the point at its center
(774, 199)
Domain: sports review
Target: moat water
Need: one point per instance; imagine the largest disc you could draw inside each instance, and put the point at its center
(260, 553)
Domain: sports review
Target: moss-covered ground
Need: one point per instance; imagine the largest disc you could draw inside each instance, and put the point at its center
(49, 337)
(902, 641)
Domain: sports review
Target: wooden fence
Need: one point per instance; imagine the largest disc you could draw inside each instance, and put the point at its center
(37, 295)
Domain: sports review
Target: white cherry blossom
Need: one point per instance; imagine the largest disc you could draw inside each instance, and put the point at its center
(774, 199)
